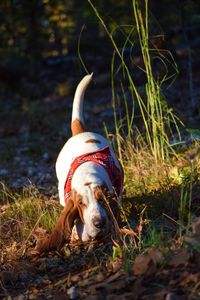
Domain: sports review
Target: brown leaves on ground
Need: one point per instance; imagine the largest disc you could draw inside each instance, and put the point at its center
(89, 273)
(180, 258)
(147, 262)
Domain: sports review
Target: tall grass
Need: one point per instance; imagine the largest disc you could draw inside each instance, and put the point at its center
(145, 153)
(156, 116)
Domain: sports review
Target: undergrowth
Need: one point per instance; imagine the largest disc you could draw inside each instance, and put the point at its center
(21, 213)
(157, 119)
(158, 205)
(160, 183)
(157, 176)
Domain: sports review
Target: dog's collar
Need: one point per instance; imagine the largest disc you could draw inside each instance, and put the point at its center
(101, 157)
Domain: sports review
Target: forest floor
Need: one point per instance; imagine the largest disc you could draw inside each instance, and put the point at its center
(31, 135)
(89, 273)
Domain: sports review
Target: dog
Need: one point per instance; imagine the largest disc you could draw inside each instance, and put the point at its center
(90, 180)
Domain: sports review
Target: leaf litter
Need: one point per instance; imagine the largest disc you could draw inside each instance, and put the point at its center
(92, 273)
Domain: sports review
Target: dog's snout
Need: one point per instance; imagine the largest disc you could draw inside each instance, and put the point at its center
(99, 222)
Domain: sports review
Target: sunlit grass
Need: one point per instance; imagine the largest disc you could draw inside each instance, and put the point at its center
(155, 192)
(21, 213)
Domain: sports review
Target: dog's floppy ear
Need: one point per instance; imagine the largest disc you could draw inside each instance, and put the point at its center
(62, 230)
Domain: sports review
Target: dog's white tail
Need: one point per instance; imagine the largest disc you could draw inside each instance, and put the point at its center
(77, 124)
(77, 111)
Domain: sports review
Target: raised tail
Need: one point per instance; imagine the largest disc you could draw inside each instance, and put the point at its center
(77, 123)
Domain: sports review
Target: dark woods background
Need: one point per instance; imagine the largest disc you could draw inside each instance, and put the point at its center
(40, 67)
(40, 34)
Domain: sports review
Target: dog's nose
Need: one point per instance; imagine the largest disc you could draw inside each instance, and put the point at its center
(99, 222)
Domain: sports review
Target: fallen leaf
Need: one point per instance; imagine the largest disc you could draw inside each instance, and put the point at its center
(156, 256)
(114, 265)
(180, 258)
(189, 278)
(141, 264)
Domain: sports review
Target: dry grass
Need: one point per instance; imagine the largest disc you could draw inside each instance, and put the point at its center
(144, 175)
(26, 214)
(20, 214)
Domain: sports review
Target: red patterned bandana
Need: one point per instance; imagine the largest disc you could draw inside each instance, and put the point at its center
(101, 157)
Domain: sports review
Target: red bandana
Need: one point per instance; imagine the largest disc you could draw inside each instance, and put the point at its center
(101, 157)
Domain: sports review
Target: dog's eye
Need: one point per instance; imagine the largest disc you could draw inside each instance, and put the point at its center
(79, 200)
(81, 203)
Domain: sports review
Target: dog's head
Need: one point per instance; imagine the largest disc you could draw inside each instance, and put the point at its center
(96, 211)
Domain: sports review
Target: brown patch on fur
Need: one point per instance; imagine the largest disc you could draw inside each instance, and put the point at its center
(110, 202)
(77, 198)
(62, 230)
(94, 141)
(101, 192)
(77, 127)
(87, 183)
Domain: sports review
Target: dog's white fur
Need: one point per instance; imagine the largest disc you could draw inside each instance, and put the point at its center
(88, 172)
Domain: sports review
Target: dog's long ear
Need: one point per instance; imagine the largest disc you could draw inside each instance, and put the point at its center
(62, 230)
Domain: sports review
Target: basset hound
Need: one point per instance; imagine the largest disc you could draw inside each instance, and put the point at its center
(90, 181)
